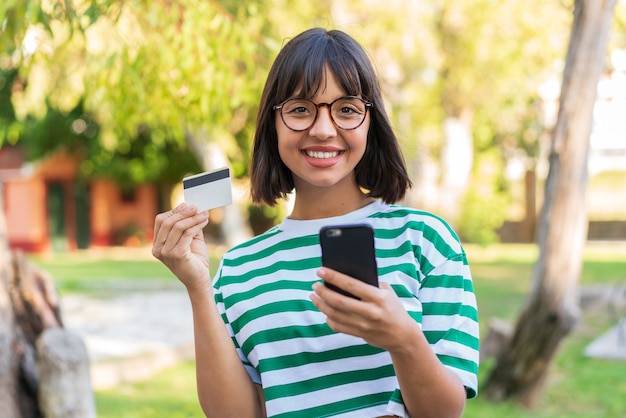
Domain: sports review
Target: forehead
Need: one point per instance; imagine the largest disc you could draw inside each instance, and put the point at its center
(312, 75)
(327, 84)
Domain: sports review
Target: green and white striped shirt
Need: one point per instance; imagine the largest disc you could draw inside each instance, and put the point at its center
(262, 290)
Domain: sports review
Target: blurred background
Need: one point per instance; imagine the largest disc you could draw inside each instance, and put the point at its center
(106, 105)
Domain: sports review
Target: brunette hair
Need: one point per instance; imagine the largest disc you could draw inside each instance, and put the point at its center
(301, 65)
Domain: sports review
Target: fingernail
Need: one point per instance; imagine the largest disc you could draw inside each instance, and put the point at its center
(321, 272)
(180, 208)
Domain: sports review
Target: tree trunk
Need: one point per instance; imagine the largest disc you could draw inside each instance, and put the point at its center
(64, 386)
(552, 310)
(9, 363)
(29, 306)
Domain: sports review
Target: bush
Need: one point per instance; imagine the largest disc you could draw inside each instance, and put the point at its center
(485, 204)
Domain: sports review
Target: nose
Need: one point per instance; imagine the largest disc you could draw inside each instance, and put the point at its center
(323, 127)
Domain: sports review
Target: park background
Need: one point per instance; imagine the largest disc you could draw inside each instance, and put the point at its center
(105, 106)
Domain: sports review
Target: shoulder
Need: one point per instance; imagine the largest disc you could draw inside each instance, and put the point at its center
(255, 244)
(427, 225)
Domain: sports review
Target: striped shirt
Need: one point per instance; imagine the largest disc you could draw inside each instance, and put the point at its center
(262, 290)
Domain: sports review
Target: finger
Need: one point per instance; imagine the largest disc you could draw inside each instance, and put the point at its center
(183, 231)
(349, 284)
(194, 232)
(170, 225)
(337, 307)
(163, 222)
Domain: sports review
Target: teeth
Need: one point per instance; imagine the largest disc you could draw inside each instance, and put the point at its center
(320, 154)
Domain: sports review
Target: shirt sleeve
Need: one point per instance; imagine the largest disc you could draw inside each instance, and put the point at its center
(450, 318)
(221, 307)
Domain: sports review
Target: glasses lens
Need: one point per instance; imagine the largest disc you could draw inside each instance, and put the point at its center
(348, 112)
(298, 114)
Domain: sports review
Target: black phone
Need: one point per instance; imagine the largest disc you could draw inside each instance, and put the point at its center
(349, 249)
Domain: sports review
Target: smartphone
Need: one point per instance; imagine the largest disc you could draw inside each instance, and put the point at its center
(349, 249)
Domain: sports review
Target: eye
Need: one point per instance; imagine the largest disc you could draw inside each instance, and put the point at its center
(348, 107)
(348, 110)
(298, 108)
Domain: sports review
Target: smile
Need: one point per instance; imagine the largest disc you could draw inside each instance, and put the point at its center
(322, 154)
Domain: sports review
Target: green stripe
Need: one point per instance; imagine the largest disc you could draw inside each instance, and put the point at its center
(453, 335)
(429, 233)
(449, 309)
(402, 212)
(285, 333)
(417, 316)
(326, 382)
(406, 268)
(253, 241)
(336, 408)
(450, 282)
(279, 265)
(397, 397)
(458, 363)
(282, 306)
(289, 244)
(304, 358)
(402, 291)
(270, 287)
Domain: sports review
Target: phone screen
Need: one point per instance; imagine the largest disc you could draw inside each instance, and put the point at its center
(349, 249)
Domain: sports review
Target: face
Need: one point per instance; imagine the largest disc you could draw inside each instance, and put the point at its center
(323, 156)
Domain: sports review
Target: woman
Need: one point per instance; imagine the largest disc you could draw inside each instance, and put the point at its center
(266, 345)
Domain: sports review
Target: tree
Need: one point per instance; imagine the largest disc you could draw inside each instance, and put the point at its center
(136, 68)
(551, 310)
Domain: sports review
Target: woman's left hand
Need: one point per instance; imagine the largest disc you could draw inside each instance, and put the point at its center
(377, 316)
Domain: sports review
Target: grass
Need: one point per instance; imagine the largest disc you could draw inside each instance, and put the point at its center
(171, 394)
(578, 386)
(97, 271)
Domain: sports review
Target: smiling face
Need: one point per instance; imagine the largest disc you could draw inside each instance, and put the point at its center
(323, 156)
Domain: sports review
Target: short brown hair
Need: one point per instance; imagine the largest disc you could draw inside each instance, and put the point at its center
(301, 64)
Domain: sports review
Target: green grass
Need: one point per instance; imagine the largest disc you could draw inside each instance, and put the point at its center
(107, 270)
(578, 386)
(171, 394)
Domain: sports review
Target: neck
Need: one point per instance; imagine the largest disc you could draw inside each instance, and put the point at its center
(325, 204)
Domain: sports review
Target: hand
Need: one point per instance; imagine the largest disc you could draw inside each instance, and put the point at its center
(179, 244)
(378, 317)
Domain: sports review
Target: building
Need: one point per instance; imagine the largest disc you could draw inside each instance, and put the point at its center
(48, 208)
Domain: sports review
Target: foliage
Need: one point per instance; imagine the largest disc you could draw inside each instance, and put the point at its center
(10, 128)
(263, 217)
(150, 74)
(138, 67)
(485, 202)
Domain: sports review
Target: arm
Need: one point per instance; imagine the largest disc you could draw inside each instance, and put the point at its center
(428, 388)
(224, 387)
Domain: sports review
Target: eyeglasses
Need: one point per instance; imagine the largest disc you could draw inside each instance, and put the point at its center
(347, 112)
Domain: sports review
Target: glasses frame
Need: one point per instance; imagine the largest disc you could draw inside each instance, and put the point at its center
(367, 104)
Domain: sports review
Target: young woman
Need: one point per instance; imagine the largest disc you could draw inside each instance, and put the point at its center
(271, 339)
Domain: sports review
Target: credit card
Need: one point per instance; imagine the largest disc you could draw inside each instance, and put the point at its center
(208, 190)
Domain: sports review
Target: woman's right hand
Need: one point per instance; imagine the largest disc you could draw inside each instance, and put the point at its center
(179, 244)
